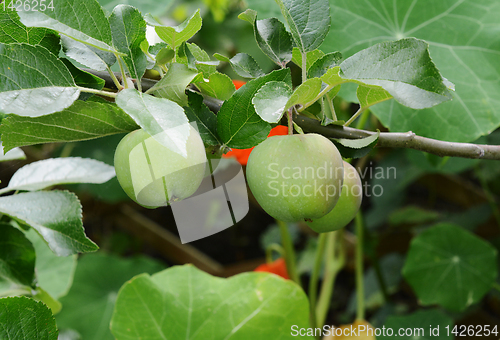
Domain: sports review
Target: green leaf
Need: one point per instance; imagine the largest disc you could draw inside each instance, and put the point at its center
(128, 30)
(201, 60)
(219, 86)
(81, 20)
(332, 77)
(165, 55)
(450, 266)
(13, 154)
(238, 125)
(271, 36)
(88, 307)
(13, 31)
(403, 68)
(55, 171)
(305, 93)
(464, 45)
(33, 82)
(170, 130)
(309, 21)
(323, 64)
(243, 64)
(55, 215)
(173, 85)
(174, 36)
(17, 256)
(84, 79)
(371, 95)
(422, 321)
(311, 57)
(54, 274)
(271, 99)
(190, 304)
(22, 318)
(89, 120)
(86, 55)
(205, 119)
(356, 148)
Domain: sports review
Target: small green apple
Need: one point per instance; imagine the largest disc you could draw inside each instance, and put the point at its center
(296, 177)
(154, 175)
(347, 207)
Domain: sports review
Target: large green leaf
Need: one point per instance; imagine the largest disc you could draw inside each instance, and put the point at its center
(171, 130)
(272, 37)
(403, 68)
(89, 304)
(464, 45)
(186, 303)
(450, 266)
(128, 29)
(238, 125)
(13, 31)
(173, 85)
(308, 20)
(33, 82)
(55, 171)
(17, 256)
(89, 120)
(22, 318)
(55, 215)
(81, 20)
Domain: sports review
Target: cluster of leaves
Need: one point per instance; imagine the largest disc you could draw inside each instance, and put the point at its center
(47, 95)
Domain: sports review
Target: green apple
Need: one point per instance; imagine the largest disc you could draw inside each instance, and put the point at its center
(154, 175)
(347, 207)
(296, 177)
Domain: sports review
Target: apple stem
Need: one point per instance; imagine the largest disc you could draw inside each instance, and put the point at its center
(360, 289)
(313, 284)
(334, 261)
(286, 240)
(290, 122)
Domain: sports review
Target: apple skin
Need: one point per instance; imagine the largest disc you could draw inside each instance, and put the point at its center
(175, 177)
(347, 207)
(283, 173)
